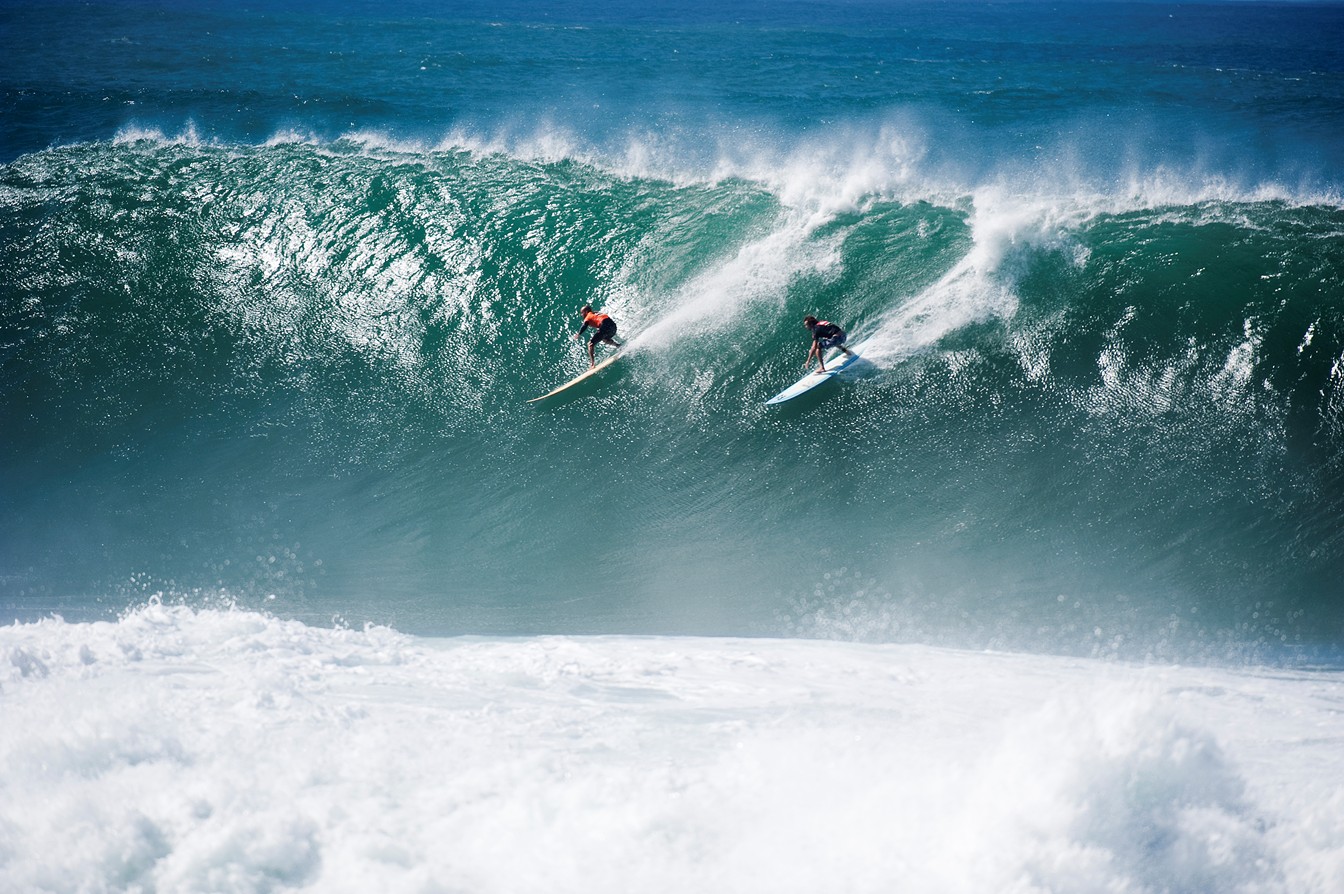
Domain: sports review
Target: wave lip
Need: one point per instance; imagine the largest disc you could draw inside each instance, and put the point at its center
(848, 169)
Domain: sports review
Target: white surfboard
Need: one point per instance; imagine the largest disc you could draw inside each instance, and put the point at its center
(577, 379)
(835, 365)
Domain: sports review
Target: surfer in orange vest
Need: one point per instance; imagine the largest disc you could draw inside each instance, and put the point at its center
(825, 335)
(604, 330)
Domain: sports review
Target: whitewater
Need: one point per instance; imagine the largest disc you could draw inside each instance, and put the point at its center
(224, 750)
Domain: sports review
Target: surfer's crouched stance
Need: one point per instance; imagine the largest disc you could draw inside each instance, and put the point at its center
(825, 335)
(604, 330)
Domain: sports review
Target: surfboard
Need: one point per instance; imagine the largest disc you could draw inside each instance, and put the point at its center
(577, 379)
(835, 364)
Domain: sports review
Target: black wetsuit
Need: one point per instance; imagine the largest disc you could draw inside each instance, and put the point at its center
(825, 330)
(828, 335)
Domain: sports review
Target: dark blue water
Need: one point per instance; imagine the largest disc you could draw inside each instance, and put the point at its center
(279, 281)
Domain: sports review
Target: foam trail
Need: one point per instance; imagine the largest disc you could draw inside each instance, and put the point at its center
(965, 295)
(759, 273)
(813, 184)
(972, 291)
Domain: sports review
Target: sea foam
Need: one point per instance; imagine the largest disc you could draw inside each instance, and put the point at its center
(181, 749)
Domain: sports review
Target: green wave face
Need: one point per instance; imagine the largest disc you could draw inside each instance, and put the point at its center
(296, 375)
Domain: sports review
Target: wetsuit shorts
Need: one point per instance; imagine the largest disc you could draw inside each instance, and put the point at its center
(834, 341)
(605, 331)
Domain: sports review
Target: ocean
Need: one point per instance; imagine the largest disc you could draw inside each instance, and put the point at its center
(300, 593)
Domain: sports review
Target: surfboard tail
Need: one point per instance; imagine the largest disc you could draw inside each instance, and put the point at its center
(838, 362)
(579, 378)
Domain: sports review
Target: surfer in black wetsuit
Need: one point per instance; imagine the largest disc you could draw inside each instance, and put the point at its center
(825, 335)
(604, 331)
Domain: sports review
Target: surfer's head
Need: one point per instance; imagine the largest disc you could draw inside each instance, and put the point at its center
(809, 321)
(586, 309)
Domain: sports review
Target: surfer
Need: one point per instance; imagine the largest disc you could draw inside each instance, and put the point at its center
(825, 335)
(604, 330)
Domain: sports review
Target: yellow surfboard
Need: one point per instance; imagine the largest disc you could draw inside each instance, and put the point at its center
(576, 380)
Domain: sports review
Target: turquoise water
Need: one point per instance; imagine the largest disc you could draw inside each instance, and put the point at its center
(278, 284)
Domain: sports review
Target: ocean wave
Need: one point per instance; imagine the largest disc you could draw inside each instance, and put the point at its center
(303, 315)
